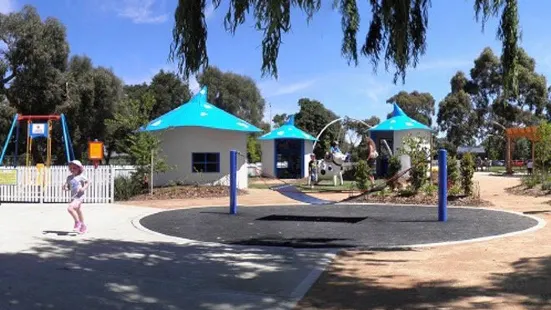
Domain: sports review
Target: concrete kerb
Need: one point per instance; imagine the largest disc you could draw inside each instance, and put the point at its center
(540, 224)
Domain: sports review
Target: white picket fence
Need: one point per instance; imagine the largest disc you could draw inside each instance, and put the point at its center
(46, 185)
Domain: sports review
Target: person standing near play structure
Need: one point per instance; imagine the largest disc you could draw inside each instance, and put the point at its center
(334, 148)
(371, 159)
(77, 183)
(313, 170)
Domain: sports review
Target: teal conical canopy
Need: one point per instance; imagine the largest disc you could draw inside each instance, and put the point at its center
(399, 121)
(288, 131)
(199, 113)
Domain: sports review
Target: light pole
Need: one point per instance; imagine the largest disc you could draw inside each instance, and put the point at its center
(270, 107)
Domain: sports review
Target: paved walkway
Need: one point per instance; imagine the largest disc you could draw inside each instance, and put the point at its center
(118, 266)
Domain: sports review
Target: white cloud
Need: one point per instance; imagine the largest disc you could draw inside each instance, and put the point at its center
(194, 85)
(209, 11)
(377, 91)
(147, 75)
(7, 6)
(139, 11)
(274, 89)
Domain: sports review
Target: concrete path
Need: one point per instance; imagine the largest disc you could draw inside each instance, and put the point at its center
(117, 265)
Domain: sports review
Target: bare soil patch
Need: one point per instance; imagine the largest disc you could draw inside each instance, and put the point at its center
(521, 190)
(421, 198)
(186, 192)
(504, 273)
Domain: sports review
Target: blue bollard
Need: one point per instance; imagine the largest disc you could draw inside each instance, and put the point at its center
(233, 182)
(442, 185)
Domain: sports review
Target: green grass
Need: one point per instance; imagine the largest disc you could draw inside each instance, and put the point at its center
(323, 186)
(498, 169)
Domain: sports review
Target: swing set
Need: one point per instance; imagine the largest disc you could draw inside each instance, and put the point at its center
(38, 126)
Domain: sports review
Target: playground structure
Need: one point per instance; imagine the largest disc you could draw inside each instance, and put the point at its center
(511, 134)
(333, 166)
(38, 126)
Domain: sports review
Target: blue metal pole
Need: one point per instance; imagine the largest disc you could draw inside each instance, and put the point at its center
(8, 139)
(16, 156)
(442, 185)
(233, 182)
(65, 137)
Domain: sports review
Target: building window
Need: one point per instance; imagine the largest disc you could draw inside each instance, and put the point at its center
(205, 162)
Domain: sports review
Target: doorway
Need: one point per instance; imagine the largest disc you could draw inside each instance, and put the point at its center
(289, 158)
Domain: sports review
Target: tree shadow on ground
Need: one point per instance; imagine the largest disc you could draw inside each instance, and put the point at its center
(528, 286)
(110, 274)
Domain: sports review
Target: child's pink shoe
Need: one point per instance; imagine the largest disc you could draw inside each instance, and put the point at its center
(77, 226)
(83, 228)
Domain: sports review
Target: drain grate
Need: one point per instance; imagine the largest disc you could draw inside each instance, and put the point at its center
(303, 218)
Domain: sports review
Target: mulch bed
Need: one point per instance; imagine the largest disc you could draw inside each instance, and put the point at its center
(422, 199)
(187, 192)
(521, 190)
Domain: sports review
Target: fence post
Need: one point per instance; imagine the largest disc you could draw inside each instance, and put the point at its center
(112, 184)
(233, 182)
(442, 185)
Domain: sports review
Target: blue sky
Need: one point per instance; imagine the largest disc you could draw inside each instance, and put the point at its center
(133, 37)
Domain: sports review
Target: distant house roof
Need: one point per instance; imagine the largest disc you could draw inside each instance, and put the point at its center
(471, 149)
(399, 121)
(199, 113)
(288, 131)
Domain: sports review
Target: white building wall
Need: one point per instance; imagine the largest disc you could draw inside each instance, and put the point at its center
(399, 137)
(267, 148)
(308, 150)
(177, 146)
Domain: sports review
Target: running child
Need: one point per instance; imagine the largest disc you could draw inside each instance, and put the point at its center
(77, 184)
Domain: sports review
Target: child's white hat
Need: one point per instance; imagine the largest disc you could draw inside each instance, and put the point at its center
(77, 163)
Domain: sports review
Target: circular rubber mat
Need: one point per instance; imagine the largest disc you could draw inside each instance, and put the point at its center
(334, 226)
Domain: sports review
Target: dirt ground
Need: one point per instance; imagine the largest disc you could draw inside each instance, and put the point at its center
(506, 273)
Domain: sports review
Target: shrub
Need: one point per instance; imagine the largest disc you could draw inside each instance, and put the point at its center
(394, 167)
(453, 170)
(467, 173)
(430, 189)
(418, 150)
(362, 175)
(531, 181)
(127, 187)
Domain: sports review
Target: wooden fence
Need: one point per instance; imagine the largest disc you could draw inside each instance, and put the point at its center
(34, 185)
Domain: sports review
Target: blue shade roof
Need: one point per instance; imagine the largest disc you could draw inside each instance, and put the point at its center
(288, 131)
(399, 121)
(199, 113)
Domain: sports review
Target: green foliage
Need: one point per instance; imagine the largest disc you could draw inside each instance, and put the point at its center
(394, 167)
(234, 93)
(453, 170)
(419, 106)
(279, 119)
(530, 181)
(127, 187)
(429, 189)
(418, 150)
(467, 172)
(543, 148)
(312, 117)
(253, 149)
(397, 31)
(140, 146)
(362, 175)
(169, 92)
(456, 115)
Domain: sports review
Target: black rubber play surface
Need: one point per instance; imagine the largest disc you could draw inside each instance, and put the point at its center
(335, 226)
